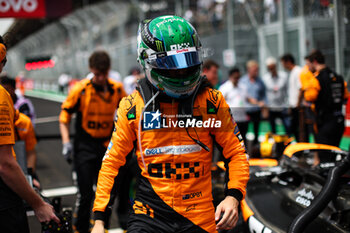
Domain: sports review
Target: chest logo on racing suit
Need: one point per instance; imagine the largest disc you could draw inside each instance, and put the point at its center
(175, 150)
(180, 170)
(155, 120)
(151, 120)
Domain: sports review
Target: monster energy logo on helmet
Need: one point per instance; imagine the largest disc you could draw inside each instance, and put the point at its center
(159, 45)
(149, 39)
(169, 50)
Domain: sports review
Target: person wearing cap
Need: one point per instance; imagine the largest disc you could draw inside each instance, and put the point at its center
(14, 187)
(277, 95)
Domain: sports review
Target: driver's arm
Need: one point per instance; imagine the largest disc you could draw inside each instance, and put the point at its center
(237, 168)
(120, 146)
(231, 143)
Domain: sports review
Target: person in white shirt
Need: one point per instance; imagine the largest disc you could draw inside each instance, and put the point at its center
(63, 82)
(236, 97)
(276, 91)
(130, 82)
(112, 74)
(294, 91)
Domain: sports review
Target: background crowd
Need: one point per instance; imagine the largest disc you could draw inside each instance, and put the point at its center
(288, 94)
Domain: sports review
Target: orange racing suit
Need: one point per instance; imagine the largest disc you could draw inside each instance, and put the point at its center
(174, 190)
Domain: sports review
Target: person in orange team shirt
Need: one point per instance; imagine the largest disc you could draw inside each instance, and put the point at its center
(328, 92)
(13, 184)
(24, 130)
(95, 102)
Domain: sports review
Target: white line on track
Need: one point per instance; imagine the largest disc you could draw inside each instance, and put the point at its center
(117, 230)
(49, 119)
(64, 191)
(46, 119)
(45, 96)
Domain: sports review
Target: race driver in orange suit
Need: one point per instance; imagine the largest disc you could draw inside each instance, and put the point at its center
(95, 101)
(172, 120)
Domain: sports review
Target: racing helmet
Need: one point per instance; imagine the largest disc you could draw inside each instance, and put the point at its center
(169, 50)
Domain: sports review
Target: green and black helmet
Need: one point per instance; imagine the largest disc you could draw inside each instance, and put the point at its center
(169, 50)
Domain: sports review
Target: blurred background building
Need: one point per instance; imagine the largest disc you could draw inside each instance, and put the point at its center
(232, 32)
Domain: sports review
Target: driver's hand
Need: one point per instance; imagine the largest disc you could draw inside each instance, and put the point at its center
(229, 208)
(98, 227)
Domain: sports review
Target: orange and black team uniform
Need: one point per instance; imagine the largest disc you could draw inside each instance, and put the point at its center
(174, 192)
(328, 91)
(25, 131)
(11, 205)
(93, 128)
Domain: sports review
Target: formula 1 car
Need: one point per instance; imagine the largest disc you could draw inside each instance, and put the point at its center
(280, 190)
(277, 194)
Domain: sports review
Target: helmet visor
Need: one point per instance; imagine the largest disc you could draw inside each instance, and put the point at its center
(175, 61)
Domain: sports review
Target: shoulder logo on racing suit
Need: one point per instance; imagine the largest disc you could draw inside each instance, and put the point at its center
(131, 115)
(130, 101)
(213, 95)
(151, 120)
(211, 108)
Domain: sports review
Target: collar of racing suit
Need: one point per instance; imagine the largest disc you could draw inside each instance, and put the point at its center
(147, 90)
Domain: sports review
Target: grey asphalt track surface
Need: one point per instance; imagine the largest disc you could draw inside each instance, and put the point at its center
(53, 171)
